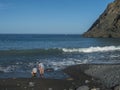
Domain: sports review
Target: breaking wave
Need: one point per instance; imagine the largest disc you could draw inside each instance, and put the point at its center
(93, 49)
(54, 51)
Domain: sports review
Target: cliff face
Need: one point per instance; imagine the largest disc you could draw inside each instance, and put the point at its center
(108, 24)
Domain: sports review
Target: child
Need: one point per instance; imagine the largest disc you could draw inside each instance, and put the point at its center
(34, 72)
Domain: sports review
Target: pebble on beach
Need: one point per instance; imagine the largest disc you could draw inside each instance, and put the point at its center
(83, 88)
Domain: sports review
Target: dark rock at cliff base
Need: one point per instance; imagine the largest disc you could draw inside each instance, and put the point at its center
(108, 24)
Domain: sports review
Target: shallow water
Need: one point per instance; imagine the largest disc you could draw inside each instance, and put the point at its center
(20, 53)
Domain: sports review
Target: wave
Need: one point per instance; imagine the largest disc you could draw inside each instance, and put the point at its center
(32, 52)
(7, 69)
(57, 51)
(93, 49)
(27, 67)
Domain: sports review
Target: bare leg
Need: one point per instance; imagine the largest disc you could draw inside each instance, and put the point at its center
(41, 70)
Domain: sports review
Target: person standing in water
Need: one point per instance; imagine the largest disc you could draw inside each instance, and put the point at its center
(41, 69)
(34, 72)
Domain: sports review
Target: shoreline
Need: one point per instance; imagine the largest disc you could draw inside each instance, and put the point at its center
(100, 76)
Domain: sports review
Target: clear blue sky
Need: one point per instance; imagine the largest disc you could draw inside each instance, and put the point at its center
(49, 16)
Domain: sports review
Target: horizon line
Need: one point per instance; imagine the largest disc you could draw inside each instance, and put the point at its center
(44, 33)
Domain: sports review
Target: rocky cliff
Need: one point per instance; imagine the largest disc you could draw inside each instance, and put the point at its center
(108, 24)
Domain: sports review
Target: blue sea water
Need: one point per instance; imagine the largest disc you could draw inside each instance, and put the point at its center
(19, 53)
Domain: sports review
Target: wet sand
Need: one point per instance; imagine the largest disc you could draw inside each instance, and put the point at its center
(34, 84)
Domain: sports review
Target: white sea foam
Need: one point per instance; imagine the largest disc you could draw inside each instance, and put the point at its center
(114, 56)
(7, 69)
(93, 49)
(64, 63)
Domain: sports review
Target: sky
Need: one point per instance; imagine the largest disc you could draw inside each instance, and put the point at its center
(49, 16)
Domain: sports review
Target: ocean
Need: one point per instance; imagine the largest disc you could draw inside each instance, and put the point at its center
(19, 53)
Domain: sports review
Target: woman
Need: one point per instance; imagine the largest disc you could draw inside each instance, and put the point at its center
(41, 69)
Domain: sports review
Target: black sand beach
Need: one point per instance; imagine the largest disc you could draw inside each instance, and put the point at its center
(34, 84)
(91, 76)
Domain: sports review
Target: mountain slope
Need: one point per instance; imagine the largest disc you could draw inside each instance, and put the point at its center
(108, 24)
